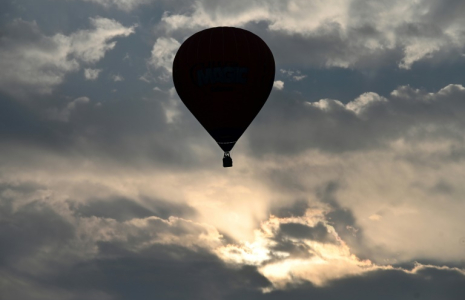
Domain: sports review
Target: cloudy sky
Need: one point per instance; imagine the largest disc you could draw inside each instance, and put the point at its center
(348, 184)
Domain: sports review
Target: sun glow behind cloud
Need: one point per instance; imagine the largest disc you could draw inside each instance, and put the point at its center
(326, 261)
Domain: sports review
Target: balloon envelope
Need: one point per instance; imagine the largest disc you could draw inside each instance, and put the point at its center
(224, 76)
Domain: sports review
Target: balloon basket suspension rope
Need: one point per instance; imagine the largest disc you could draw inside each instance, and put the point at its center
(227, 160)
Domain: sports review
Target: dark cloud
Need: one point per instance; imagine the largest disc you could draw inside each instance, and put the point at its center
(443, 187)
(428, 284)
(319, 232)
(123, 121)
(308, 127)
(160, 271)
(132, 278)
(343, 219)
(25, 230)
(20, 123)
(118, 209)
(294, 249)
(296, 209)
(122, 209)
(120, 131)
(288, 124)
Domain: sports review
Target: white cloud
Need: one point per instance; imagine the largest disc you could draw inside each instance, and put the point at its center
(91, 74)
(163, 53)
(161, 60)
(278, 84)
(293, 16)
(294, 75)
(363, 101)
(419, 49)
(126, 5)
(328, 104)
(335, 32)
(171, 105)
(90, 45)
(37, 63)
(299, 77)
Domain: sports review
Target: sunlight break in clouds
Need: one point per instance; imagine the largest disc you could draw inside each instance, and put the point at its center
(326, 260)
(323, 261)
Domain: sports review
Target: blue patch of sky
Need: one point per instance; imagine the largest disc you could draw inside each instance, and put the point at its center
(66, 17)
(347, 84)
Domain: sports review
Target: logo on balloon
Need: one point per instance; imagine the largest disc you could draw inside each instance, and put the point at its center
(219, 73)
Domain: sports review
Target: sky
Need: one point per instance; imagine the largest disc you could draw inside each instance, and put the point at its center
(347, 185)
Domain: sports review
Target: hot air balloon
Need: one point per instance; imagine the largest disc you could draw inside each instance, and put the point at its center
(224, 76)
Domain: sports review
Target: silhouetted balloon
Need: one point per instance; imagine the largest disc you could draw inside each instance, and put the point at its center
(224, 76)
